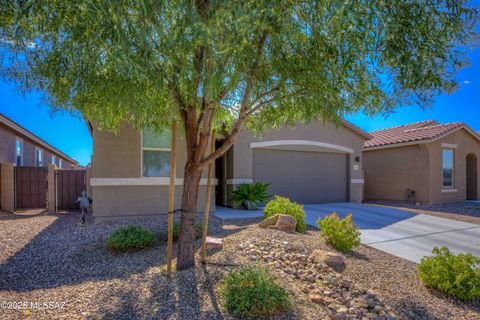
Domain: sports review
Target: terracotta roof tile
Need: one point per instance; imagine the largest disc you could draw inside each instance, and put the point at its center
(419, 131)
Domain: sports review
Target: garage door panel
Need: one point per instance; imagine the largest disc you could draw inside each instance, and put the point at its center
(305, 177)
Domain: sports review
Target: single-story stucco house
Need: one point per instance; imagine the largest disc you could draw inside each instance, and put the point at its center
(425, 162)
(311, 163)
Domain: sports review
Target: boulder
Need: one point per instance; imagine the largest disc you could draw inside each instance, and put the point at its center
(214, 243)
(281, 222)
(270, 222)
(331, 259)
(286, 223)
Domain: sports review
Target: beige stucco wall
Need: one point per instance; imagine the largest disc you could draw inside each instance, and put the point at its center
(314, 131)
(113, 202)
(465, 144)
(390, 172)
(7, 197)
(118, 157)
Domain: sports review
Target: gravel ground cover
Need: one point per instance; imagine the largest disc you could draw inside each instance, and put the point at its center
(461, 211)
(50, 258)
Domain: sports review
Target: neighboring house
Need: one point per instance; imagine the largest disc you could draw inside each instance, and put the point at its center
(22, 147)
(311, 163)
(438, 162)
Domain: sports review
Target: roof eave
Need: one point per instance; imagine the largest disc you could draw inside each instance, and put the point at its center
(356, 129)
(22, 131)
(397, 145)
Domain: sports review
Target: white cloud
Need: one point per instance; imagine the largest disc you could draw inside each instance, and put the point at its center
(466, 82)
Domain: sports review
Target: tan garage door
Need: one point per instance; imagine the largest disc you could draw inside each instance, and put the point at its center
(304, 177)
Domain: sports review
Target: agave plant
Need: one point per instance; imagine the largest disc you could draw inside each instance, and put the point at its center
(249, 195)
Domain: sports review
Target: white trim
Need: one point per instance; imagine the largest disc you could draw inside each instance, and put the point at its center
(238, 181)
(157, 149)
(159, 181)
(449, 145)
(357, 181)
(264, 144)
(446, 190)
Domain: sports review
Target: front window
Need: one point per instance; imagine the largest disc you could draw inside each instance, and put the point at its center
(53, 159)
(447, 167)
(39, 157)
(19, 152)
(156, 149)
(60, 163)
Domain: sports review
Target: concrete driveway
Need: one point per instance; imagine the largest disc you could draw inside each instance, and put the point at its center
(403, 233)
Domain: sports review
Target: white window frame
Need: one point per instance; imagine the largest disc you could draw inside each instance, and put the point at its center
(53, 159)
(60, 163)
(37, 152)
(17, 139)
(453, 169)
(149, 149)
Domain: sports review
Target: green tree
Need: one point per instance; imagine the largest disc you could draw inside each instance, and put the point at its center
(230, 64)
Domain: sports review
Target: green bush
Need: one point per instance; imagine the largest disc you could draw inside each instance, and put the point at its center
(282, 205)
(456, 275)
(342, 234)
(249, 195)
(131, 238)
(253, 293)
(176, 231)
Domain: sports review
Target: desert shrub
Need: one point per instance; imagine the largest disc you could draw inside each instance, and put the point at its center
(282, 205)
(342, 234)
(456, 275)
(253, 293)
(176, 231)
(131, 238)
(250, 195)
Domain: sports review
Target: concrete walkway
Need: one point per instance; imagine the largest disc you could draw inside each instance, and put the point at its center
(398, 232)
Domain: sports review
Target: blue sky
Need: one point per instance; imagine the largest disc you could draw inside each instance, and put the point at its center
(64, 131)
(69, 133)
(462, 105)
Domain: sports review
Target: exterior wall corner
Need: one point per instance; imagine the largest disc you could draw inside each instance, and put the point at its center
(7, 187)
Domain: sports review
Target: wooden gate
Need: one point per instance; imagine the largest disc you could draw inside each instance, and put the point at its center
(70, 184)
(30, 187)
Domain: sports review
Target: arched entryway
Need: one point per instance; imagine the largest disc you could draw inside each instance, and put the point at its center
(472, 193)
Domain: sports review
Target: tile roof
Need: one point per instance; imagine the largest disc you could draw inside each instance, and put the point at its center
(418, 131)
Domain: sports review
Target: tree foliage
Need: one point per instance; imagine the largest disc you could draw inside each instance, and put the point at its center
(229, 64)
(282, 61)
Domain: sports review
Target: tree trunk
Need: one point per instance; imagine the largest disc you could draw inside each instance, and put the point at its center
(186, 241)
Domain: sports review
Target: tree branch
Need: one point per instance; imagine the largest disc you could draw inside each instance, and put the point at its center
(259, 106)
(243, 106)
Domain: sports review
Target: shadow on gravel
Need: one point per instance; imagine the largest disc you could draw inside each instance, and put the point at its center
(357, 255)
(63, 253)
(414, 310)
(13, 216)
(188, 294)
